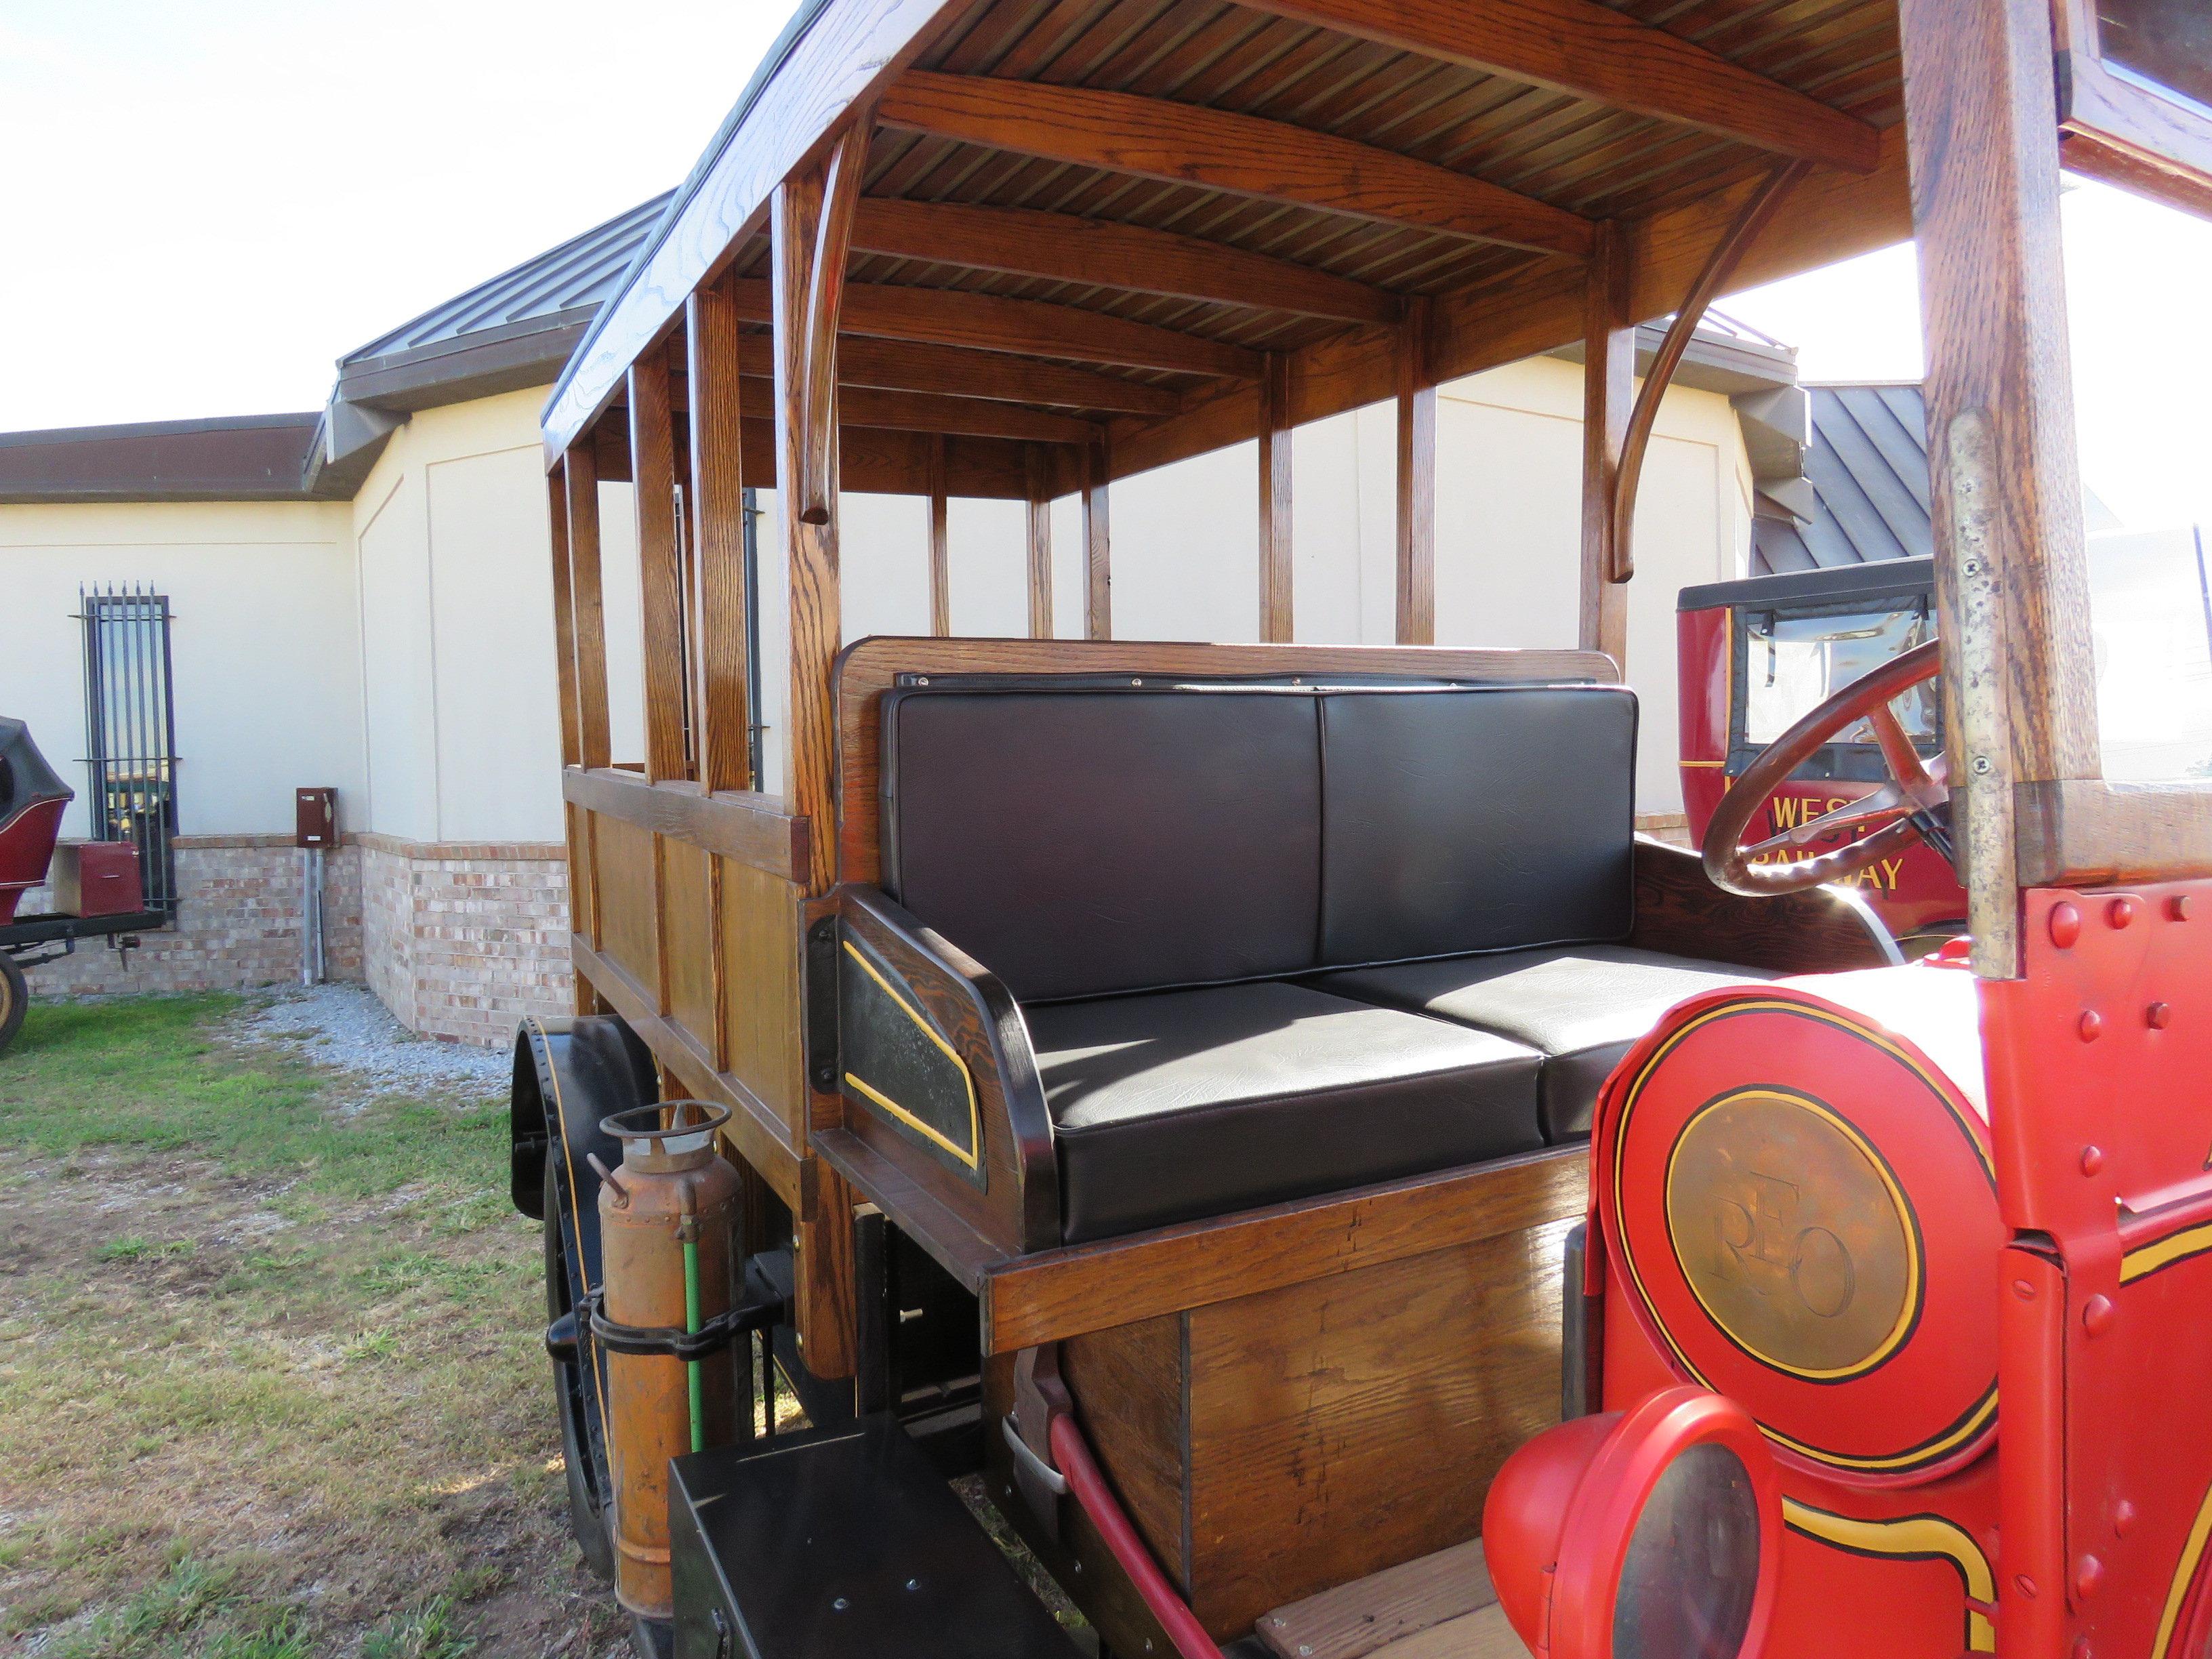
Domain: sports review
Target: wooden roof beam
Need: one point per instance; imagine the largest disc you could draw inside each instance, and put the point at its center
(1593, 51)
(894, 366)
(1216, 150)
(939, 316)
(1101, 253)
(925, 411)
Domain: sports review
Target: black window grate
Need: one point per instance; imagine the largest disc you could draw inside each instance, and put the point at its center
(130, 731)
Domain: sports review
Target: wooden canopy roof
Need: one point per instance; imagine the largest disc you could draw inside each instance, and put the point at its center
(1118, 218)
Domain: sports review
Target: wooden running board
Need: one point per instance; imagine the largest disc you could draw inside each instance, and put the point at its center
(1441, 1606)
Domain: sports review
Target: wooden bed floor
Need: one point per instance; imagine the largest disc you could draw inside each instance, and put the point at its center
(1441, 1606)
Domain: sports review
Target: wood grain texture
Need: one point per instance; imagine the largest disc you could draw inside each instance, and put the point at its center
(869, 667)
(1487, 1634)
(1353, 1620)
(947, 1238)
(1417, 481)
(1131, 1386)
(752, 1131)
(992, 322)
(753, 829)
(2097, 834)
(895, 366)
(629, 904)
(1064, 1292)
(1239, 155)
(810, 550)
(852, 48)
(833, 208)
(1038, 525)
(581, 479)
(564, 621)
(1097, 542)
(1679, 911)
(688, 928)
(1355, 1422)
(721, 698)
(761, 991)
(1599, 53)
(825, 1289)
(940, 552)
(1985, 180)
(652, 469)
(1275, 503)
(1608, 391)
(1103, 253)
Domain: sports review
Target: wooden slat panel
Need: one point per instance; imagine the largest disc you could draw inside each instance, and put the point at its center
(1352, 1620)
(653, 472)
(687, 937)
(933, 412)
(1484, 1635)
(1309, 1467)
(754, 830)
(896, 366)
(1596, 52)
(581, 860)
(1061, 1293)
(628, 917)
(1238, 153)
(718, 541)
(1128, 1385)
(581, 476)
(761, 991)
(1099, 253)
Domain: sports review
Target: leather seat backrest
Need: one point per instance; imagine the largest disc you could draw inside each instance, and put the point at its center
(1082, 842)
(1475, 819)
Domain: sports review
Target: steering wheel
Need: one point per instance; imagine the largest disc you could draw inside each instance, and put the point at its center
(1911, 805)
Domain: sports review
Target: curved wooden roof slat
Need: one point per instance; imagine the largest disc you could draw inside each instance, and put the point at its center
(1593, 51)
(909, 367)
(1217, 150)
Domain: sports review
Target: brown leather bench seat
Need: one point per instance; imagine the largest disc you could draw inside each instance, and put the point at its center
(1275, 941)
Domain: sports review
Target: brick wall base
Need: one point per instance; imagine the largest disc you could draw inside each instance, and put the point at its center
(459, 941)
(239, 906)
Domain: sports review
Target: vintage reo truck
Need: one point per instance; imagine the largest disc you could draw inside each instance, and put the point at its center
(1257, 1107)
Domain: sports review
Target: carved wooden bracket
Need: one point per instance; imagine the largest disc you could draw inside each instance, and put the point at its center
(1727, 254)
(825, 300)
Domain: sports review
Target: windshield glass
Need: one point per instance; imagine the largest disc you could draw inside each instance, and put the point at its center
(1793, 664)
(2167, 42)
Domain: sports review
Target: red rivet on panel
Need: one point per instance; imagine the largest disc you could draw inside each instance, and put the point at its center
(2092, 1025)
(2124, 1518)
(2158, 1016)
(2177, 907)
(2024, 1289)
(2088, 1574)
(2065, 926)
(2024, 1585)
(2097, 1314)
(2093, 1159)
(2120, 912)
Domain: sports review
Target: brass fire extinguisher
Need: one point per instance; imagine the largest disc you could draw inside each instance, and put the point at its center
(666, 1317)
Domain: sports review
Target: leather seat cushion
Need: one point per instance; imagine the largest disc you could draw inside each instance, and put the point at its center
(1184, 1104)
(1582, 1008)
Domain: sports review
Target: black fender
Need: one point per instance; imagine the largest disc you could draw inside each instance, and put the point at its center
(570, 1072)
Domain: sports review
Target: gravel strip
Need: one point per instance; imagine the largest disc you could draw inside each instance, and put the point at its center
(345, 1025)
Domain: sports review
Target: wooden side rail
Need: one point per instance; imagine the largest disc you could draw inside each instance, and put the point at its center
(932, 1059)
(1679, 911)
(752, 829)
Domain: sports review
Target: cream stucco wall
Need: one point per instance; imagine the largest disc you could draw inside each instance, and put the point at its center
(264, 603)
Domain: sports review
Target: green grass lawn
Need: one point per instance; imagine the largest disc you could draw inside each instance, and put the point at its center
(270, 1361)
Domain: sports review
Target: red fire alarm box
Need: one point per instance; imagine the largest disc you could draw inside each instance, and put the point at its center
(96, 879)
(318, 817)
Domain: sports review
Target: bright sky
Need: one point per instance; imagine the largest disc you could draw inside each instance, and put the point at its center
(207, 204)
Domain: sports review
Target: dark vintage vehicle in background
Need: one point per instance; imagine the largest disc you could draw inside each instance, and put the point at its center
(1257, 1112)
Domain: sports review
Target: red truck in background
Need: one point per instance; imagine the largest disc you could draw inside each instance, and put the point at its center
(1756, 655)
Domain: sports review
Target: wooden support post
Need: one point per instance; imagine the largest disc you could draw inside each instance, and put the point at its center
(1608, 390)
(940, 556)
(564, 618)
(2006, 474)
(1275, 579)
(719, 626)
(1097, 544)
(1417, 481)
(1037, 461)
(653, 475)
(579, 471)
